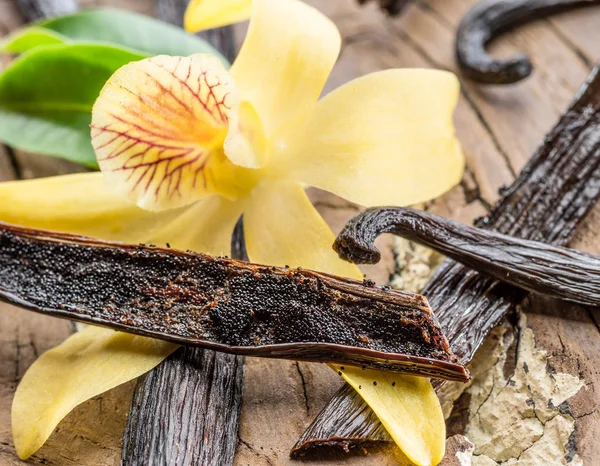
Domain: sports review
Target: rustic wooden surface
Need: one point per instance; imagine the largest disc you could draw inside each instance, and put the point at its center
(499, 127)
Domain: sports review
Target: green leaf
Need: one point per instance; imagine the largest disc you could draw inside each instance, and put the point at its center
(47, 94)
(131, 30)
(30, 38)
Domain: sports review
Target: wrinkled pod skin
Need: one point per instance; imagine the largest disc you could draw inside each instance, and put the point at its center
(223, 304)
(489, 18)
(554, 271)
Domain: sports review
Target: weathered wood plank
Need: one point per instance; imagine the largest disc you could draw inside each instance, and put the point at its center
(91, 433)
(36, 166)
(573, 346)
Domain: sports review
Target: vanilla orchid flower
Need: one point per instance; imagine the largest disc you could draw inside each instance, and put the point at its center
(186, 147)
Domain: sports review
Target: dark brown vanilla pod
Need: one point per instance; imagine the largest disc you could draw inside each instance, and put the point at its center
(223, 304)
(547, 202)
(489, 18)
(554, 271)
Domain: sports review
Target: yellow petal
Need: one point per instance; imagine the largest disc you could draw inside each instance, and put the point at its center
(383, 139)
(283, 228)
(285, 60)
(407, 407)
(246, 144)
(79, 204)
(86, 364)
(208, 14)
(206, 227)
(158, 129)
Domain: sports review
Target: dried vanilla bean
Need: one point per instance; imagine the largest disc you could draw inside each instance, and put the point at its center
(222, 304)
(547, 202)
(556, 272)
(489, 18)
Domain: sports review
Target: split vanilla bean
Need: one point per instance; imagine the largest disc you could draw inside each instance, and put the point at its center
(547, 202)
(489, 18)
(222, 304)
(554, 271)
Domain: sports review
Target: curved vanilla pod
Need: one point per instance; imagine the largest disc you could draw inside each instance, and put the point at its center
(558, 272)
(223, 304)
(489, 18)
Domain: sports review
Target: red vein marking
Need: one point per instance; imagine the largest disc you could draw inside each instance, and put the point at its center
(173, 176)
(196, 94)
(143, 175)
(189, 72)
(139, 127)
(158, 162)
(170, 92)
(132, 144)
(211, 93)
(165, 130)
(154, 168)
(137, 140)
(103, 145)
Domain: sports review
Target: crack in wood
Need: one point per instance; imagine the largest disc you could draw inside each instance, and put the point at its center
(593, 318)
(18, 355)
(256, 452)
(473, 194)
(303, 387)
(587, 61)
(495, 140)
(14, 161)
(427, 8)
(333, 206)
(466, 94)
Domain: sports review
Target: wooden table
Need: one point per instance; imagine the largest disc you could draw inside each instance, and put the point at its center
(500, 128)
